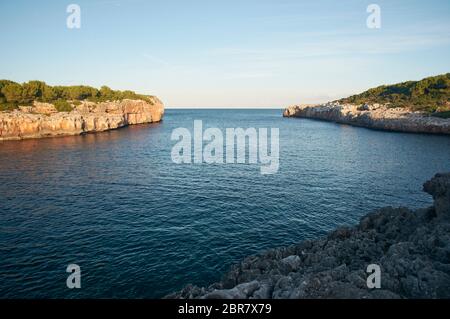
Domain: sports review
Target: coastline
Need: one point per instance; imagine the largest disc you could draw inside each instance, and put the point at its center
(372, 116)
(42, 120)
(410, 246)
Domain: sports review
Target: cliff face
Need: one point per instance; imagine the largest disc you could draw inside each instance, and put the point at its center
(372, 116)
(412, 249)
(42, 119)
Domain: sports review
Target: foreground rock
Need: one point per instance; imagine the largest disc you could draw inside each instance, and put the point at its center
(372, 116)
(42, 119)
(411, 247)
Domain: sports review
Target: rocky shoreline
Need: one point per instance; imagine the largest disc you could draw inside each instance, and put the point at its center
(43, 120)
(412, 248)
(374, 116)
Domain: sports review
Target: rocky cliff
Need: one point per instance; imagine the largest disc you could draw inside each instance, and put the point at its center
(374, 116)
(43, 120)
(412, 249)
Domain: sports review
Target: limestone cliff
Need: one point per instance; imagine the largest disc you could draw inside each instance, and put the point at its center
(374, 116)
(43, 120)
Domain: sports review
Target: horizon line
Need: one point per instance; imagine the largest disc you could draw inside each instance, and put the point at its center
(225, 107)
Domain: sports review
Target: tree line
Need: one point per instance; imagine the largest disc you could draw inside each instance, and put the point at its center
(431, 94)
(13, 94)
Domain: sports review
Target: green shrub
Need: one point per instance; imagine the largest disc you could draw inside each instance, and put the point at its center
(429, 94)
(13, 94)
(445, 115)
(62, 106)
(49, 94)
(7, 106)
(32, 91)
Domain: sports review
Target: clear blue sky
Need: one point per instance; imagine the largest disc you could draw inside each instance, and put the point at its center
(226, 53)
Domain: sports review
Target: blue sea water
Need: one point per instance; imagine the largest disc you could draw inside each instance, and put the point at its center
(140, 226)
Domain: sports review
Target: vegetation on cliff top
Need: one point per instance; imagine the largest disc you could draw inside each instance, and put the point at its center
(13, 94)
(431, 94)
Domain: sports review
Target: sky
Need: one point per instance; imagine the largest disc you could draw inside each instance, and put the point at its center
(247, 53)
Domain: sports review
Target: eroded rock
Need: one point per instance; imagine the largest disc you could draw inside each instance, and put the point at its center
(374, 116)
(412, 249)
(42, 120)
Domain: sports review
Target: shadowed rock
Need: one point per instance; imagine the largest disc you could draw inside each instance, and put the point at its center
(439, 188)
(411, 247)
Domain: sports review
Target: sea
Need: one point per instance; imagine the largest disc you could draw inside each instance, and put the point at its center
(140, 225)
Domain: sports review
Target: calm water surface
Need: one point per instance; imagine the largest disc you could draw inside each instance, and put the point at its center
(140, 226)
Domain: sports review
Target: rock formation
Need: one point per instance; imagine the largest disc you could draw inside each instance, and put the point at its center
(412, 249)
(43, 120)
(374, 116)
